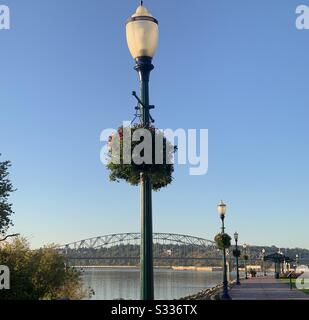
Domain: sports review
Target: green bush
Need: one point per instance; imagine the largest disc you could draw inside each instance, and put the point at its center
(38, 274)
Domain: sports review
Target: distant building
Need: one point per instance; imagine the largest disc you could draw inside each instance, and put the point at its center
(254, 267)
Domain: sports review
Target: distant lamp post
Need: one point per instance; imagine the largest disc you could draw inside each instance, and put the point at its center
(297, 260)
(263, 262)
(246, 259)
(282, 262)
(222, 211)
(142, 37)
(237, 257)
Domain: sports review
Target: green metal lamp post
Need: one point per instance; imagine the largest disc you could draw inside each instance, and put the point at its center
(282, 262)
(263, 261)
(246, 258)
(222, 211)
(237, 265)
(142, 38)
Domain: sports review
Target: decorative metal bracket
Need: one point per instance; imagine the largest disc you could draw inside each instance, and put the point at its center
(138, 107)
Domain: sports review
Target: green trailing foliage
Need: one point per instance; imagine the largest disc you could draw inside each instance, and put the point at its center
(246, 257)
(160, 174)
(223, 241)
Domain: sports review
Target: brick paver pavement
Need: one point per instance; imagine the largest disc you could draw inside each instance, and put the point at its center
(265, 288)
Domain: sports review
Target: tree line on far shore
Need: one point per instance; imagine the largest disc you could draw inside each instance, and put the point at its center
(171, 255)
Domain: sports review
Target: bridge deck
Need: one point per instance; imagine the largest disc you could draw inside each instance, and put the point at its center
(265, 288)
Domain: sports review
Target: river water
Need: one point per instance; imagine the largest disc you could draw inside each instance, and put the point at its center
(123, 283)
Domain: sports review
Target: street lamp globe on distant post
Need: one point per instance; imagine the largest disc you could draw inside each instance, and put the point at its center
(237, 257)
(222, 211)
(142, 38)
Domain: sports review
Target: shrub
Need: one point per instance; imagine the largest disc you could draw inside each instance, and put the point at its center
(38, 274)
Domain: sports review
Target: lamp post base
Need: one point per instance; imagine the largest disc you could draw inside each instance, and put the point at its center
(225, 296)
(238, 282)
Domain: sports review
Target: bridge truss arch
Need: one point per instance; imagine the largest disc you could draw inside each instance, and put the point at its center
(124, 249)
(119, 238)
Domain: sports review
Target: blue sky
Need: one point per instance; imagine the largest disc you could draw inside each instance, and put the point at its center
(238, 68)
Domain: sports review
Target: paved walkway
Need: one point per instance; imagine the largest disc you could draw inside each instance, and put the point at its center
(265, 288)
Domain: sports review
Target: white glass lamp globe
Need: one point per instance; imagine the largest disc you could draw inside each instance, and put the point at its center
(142, 33)
(221, 208)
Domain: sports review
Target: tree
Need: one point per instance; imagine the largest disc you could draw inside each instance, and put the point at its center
(6, 188)
(39, 274)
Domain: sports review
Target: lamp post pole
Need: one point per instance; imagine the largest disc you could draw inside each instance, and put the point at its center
(144, 67)
(246, 258)
(237, 265)
(222, 211)
(263, 262)
(142, 39)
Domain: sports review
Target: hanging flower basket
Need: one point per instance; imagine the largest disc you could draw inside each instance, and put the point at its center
(127, 147)
(246, 257)
(223, 241)
(236, 253)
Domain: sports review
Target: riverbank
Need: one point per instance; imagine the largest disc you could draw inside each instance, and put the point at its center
(210, 293)
(119, 267)
(175, 268)
(193, 268)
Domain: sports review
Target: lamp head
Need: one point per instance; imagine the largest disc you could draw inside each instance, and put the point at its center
(221, 207)
(142, 33)
(236, 236)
